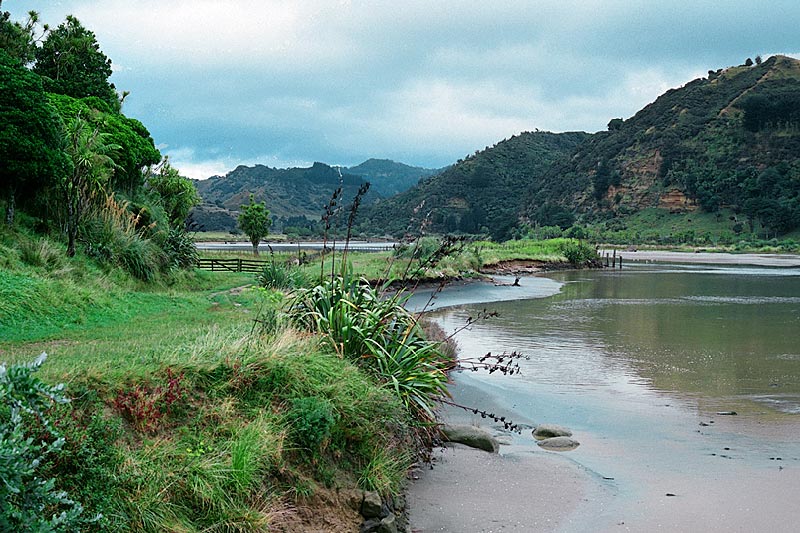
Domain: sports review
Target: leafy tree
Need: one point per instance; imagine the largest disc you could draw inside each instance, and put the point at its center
(30, 138)
(92, 167)
(19, 40)
(614, 124)
(177, 194)
(136, 150)
(254, 221)
(71, 62)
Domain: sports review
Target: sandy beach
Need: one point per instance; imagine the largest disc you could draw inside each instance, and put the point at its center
(700, 472)
(523, 488)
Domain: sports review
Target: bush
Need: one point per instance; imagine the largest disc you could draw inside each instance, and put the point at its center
(27, 501)
(379, 334)
(312, 420)
(179, 249)
(578, 253)
(277, 275)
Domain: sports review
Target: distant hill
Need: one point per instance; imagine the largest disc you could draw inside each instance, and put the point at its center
(290, 194)
(723, 148)
(296, 195)
(485, 192)
(389, 177)
(727, 144)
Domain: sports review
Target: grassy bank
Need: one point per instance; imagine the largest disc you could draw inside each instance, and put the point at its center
(186, 415)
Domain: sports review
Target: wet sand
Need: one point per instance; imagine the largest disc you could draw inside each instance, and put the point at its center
(523, 488)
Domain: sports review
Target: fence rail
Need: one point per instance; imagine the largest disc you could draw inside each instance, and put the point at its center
(231, 265)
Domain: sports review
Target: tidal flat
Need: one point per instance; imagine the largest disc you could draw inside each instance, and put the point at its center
(645, 366)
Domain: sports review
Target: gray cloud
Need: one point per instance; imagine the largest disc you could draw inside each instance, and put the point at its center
(282, 82)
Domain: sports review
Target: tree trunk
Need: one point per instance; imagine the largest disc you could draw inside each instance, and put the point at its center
(72, 228)
(11, 208)
(255, 248)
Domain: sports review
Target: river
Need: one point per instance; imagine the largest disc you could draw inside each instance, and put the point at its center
(641, 364)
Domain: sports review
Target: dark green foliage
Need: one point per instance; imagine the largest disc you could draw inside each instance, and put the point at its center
(773, 105)
(176, 193)
(311, 420)
(18, 39)
(31, 158)
(29, 501)
(179, 249)
(71, 62)
(136, 150)
(86, 464)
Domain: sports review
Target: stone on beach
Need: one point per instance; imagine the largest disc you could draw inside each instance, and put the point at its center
(546, 431)
(472, 436)
(559, 444)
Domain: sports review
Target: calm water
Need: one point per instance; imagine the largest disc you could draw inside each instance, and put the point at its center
(639, 363)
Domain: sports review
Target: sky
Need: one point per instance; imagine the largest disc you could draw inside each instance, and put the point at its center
(287, 83)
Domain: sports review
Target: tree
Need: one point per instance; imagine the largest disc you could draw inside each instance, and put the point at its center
(71, 63)
(19, 40)
(137, 149)
(31, 157)
(92, 168)
(614, 124)
(177, 194)
(254, 221)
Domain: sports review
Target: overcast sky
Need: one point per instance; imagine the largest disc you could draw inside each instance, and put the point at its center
(282, 83)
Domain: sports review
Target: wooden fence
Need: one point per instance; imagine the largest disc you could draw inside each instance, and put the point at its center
(231, 265)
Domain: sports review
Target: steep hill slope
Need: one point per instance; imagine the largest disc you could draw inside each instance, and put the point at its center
(482, 193)
(731, 140)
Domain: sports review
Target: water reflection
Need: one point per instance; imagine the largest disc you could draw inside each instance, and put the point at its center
(723, 334)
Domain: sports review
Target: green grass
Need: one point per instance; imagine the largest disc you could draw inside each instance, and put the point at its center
(179, 420)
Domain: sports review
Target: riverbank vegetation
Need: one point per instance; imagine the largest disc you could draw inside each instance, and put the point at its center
(185, 413)
(218, 400)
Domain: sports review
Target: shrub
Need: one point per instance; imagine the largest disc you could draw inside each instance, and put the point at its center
(179, 249)
(27, 501)
(578, 253)
(377, 333)
(276, 275)
(312, 420)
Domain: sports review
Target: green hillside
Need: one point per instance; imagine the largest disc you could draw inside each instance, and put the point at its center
(291, 194)
(722, 151)
(728, 143)
(296, 196)
(481, 194)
